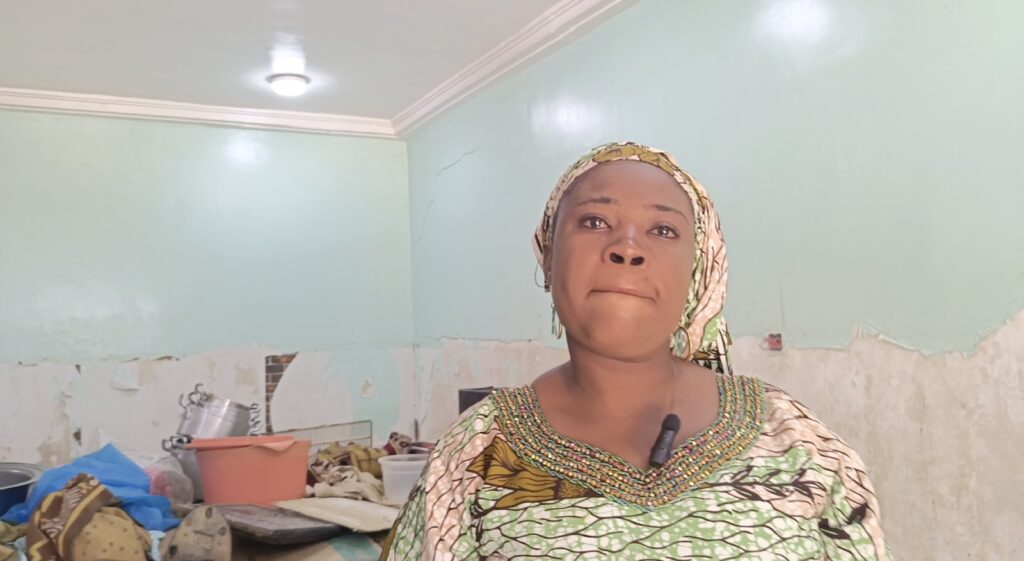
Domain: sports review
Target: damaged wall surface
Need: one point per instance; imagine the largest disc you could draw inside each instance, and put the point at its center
(123, 241)
(53, 412)
(936, 431)
(862, 162)
(865, 176)
(939, 433)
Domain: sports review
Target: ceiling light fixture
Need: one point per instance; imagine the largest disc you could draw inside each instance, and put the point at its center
(288, 85)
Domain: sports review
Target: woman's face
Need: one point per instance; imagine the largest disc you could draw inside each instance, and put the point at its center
(621, 259)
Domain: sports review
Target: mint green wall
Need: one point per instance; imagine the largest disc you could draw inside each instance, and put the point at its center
(123, 238)
(863, 155)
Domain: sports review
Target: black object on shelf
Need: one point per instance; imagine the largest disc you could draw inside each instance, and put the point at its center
(471, 396)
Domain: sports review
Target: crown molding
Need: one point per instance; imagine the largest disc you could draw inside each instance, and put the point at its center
(270, 119)
(555, 26)
(564, 21)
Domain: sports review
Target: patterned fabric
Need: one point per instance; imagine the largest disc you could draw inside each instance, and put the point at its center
(8, 534)
(737, 426)
(702, 335)
(361, 457)
(348, 482)
(797, 492)
(81, 523)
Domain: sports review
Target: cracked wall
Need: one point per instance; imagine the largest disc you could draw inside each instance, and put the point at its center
(940, 433)
(124, 240)
(54, 412)
(889, 203)
(937, 431)
(856, 188)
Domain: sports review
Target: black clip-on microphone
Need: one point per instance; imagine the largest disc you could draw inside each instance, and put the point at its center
(663, 446)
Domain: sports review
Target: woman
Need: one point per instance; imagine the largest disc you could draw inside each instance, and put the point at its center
(584, 463)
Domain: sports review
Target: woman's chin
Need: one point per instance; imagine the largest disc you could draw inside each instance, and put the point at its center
(621, 345)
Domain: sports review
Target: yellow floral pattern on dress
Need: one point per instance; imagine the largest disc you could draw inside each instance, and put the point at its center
(799, 493)
(499, 466)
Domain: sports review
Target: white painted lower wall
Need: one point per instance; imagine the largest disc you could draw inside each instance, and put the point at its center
(54, 412)
(941, 434)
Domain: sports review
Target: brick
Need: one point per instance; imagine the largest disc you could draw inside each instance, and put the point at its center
(281, 359)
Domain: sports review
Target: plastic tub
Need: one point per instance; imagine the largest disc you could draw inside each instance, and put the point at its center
(252, 469)
(400, 473)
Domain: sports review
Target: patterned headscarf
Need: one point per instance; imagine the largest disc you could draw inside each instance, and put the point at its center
(702, 335)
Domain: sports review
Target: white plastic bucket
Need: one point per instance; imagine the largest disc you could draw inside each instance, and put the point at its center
(400, 473)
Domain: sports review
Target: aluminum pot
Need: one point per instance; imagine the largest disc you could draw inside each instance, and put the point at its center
(209, 416)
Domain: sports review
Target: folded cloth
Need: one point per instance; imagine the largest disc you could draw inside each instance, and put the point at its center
(358, 456)
(122, 477)
(10, 532)
(14, 551)
(349, 483)
(82, 523)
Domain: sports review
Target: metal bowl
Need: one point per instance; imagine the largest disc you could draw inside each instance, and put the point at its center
(15, 482)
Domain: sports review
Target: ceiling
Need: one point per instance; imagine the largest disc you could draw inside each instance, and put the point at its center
(366, 58)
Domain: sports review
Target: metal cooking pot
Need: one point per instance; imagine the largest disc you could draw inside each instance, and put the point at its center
(15, 482)
(209, 416)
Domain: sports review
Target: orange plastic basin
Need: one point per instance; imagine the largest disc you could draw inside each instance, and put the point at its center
(252, 469)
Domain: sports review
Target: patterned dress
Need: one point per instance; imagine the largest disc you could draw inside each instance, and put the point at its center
(766, 480)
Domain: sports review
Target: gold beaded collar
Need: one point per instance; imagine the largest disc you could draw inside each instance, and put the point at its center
(740, 417)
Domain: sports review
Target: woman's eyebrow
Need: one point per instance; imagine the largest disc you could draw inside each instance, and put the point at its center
(598, 200)
(666, 208)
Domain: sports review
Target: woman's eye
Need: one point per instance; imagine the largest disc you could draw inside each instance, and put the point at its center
(593, 222)
(665, 232)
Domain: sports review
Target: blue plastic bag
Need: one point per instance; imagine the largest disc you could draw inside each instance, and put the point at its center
(121, 476)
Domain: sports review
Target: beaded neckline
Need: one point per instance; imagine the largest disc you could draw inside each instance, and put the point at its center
(534, 439)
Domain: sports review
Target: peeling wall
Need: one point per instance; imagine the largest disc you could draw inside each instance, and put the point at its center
(844, 166)
(340, 386)
(456, 364)
(941, 434)
(54, 412)
(220, 246)
(863, 163)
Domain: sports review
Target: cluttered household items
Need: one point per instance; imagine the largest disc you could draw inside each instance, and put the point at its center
(223, 489)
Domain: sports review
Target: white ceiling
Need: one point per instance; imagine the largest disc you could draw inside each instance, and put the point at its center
(370, 58)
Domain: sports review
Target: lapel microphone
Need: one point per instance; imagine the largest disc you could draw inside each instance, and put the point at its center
(663, 446)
